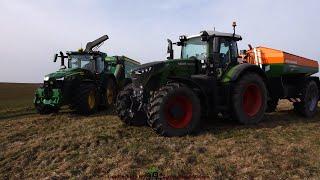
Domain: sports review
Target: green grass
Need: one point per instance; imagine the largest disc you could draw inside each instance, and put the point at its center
(65, 145)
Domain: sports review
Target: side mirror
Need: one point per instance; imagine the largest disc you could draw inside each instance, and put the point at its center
(55, 58)
(170, 49)
(62, 59)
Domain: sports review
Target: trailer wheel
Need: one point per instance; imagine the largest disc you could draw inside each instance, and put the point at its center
(110, 93)
(86, 99)
(174, 110)
(126, 112)
(309, 100)
(249, 99)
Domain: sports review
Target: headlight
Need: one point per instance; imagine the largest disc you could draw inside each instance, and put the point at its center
(143, 70)
(46, 78)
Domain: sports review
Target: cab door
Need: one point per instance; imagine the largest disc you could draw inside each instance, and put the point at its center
(228, 55)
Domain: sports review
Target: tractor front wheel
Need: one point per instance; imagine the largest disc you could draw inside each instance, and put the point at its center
(86, 99)
(309, 100)
(249, 99)
(125, 110)
(174, 110)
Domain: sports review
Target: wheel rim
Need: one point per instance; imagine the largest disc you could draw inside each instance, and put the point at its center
(91, 100)
(109, 95)
(178, 111)
(252, 100)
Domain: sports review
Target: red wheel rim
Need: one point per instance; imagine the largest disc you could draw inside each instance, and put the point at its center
(178, 111)
(252, 100)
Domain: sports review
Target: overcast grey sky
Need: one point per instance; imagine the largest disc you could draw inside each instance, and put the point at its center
(32, 31)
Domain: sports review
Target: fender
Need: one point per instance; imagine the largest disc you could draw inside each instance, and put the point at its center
(237, 71)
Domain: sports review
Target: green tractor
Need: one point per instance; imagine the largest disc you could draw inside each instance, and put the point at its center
(90, 81)
(211, 79)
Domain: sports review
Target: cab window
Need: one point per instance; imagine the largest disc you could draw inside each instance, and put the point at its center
(228, 52)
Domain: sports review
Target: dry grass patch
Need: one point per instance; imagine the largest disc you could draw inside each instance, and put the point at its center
(67, 145)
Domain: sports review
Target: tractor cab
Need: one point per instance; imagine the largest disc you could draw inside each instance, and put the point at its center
(215, 50)
(89, 59)
(93, 62)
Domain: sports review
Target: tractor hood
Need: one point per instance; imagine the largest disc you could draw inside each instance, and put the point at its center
(65, 73)
(163, 69)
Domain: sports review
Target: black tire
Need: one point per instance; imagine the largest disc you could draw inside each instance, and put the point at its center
(272, 105)
(110, 93)
(249, 99)
(86, 98)
(126, 113)
(162, 103)
(309, 100)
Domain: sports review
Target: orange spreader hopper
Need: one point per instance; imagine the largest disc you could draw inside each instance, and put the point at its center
(277, 62)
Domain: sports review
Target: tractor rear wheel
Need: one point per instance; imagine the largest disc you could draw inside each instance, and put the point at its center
(174, 110)
(309, 100)
(85, 100)
(110, 93)
(249, 99)
(126, 112)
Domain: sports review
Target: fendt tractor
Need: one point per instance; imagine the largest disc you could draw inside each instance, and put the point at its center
(211, 79)
(91, 80)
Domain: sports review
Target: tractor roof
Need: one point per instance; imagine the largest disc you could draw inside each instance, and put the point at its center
(220, 34)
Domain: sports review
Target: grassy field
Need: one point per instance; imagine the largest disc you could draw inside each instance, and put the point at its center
(66, 145)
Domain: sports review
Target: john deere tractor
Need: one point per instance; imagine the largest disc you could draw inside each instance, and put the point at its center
(90, 80)
(211, 79)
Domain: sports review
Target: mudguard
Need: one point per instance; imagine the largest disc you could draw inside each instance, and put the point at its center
(237, 71)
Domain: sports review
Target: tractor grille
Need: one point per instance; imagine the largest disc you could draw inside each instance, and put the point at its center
(49, 85)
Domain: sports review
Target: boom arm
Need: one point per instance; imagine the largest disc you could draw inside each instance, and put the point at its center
(91, 45)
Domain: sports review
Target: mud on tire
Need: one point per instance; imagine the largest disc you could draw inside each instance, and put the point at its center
(174, 110)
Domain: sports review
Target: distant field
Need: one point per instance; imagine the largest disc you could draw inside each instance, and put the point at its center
(65, 145)
(13, 95)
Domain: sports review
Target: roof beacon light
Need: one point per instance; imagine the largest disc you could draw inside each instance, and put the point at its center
(234, 25)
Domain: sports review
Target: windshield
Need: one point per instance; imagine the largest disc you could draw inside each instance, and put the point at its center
(194, 48)
(81, 61)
